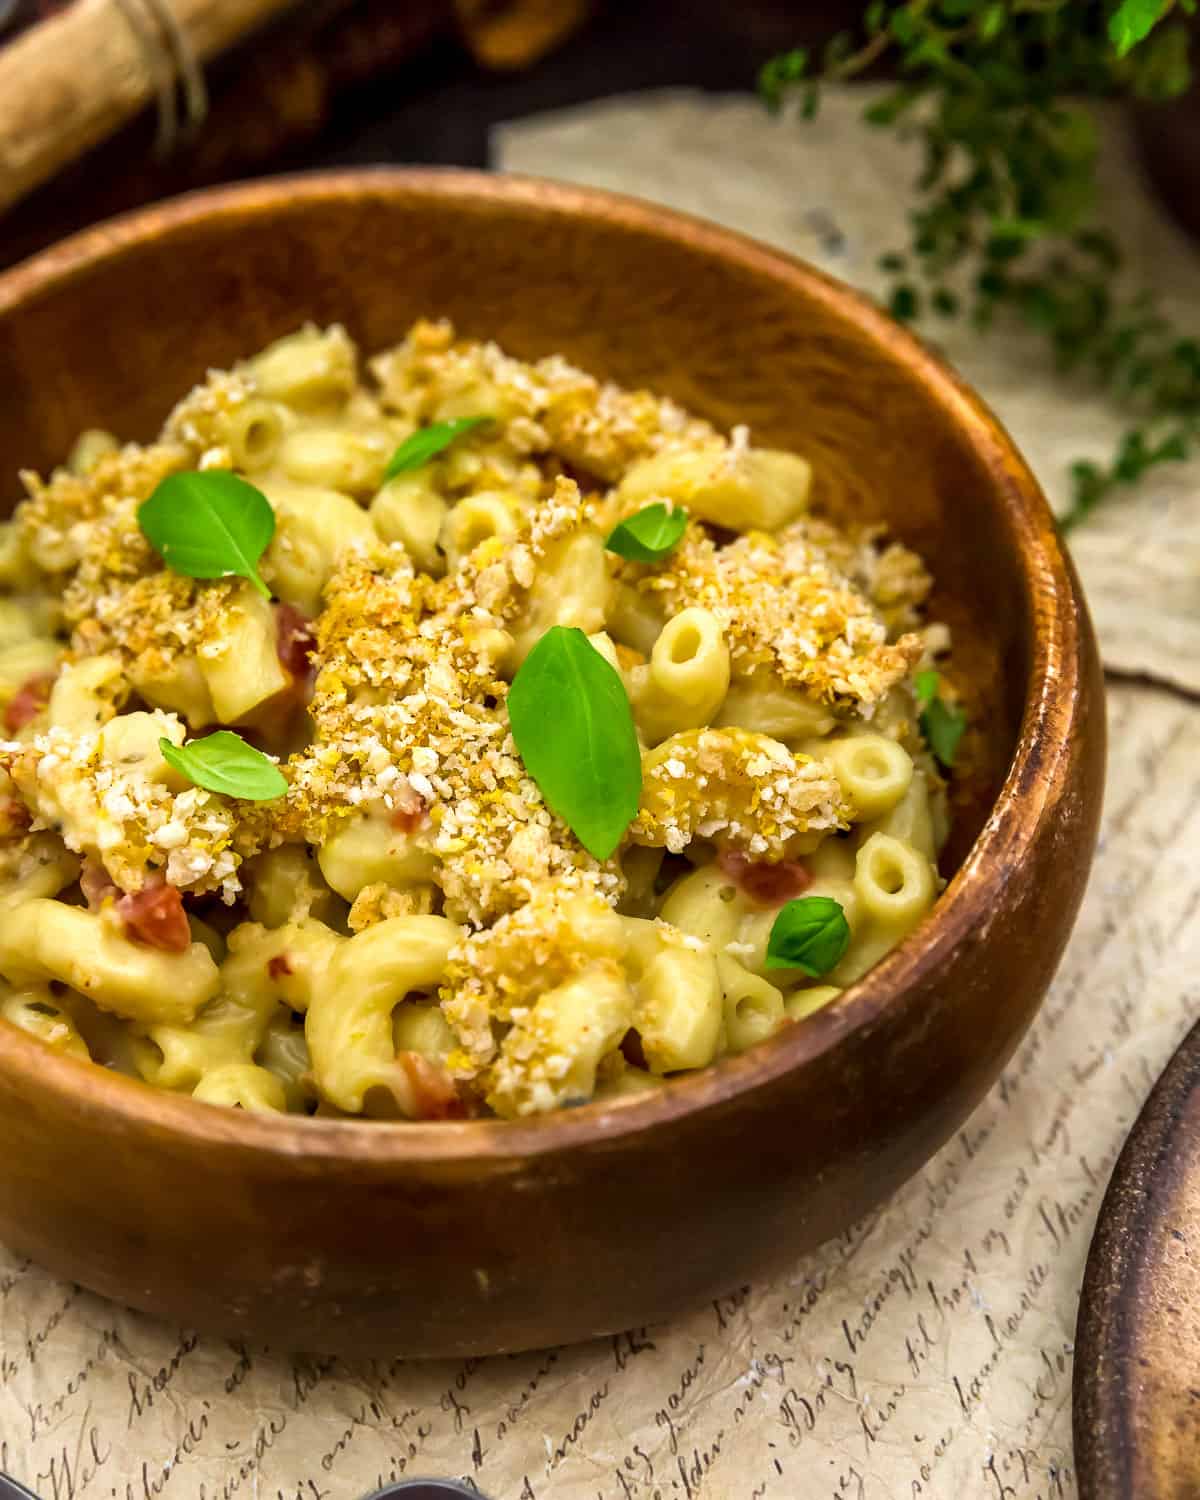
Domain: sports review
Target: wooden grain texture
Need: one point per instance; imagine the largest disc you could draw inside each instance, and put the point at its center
(1137, 1386)
(485, 1236)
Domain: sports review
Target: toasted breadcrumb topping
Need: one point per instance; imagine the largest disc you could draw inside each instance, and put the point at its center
(407, 722)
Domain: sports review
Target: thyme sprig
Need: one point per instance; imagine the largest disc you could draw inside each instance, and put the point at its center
(996, 92)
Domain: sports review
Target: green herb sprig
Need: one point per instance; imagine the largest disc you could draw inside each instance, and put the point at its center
(208, 523)
(223, 762)
(427, 442)
(941, 723)
(996, 92)
(649, 535)
(810, 934)
(574, 731)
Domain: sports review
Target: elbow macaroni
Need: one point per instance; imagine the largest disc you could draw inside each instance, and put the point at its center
(414, 934)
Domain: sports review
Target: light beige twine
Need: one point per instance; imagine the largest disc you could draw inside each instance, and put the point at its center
(173, 67)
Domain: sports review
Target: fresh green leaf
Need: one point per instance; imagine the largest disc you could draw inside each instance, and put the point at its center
(650, 535)
(810, 934)
(925, 685)
(427, 442)
(941, 724)
(574, 731)
(1132, 22)
(779, 73)
(208, 523)
(224, 762)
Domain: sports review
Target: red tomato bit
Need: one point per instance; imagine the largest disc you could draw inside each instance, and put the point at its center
(155, 916)
(764, 883)
(28, 701)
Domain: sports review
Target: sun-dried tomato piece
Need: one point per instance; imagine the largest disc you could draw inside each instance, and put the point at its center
(28, 701)
(155, 916)
(765, 883)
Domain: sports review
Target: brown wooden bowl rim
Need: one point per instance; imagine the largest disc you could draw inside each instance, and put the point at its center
(967, 903)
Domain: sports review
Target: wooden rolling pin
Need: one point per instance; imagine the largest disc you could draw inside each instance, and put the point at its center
(69, 81)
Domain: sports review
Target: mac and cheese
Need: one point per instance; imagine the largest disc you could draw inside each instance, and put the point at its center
(410, 931)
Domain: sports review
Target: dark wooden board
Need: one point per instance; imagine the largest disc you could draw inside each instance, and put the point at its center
(1137, 1354)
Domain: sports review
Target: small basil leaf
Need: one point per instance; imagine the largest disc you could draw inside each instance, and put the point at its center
(1132, 22)
(943, 727)
(209, 524)
(925, 685)
(650, 535)
(810, 934)
(941, 724)
(419, 447)
(224, 762)
(573, 728)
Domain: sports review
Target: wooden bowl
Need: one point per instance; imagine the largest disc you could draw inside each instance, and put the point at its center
(444, 1239)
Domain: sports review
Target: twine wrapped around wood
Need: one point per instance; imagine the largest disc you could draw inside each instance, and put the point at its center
(73, 79)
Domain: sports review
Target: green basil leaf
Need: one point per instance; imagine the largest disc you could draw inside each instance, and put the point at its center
(224, 762)
(573, 728)
(418, 448)
(809, 934)
(648, 536)
(926, 684)
(943, 727)
(941, 724)
(209, 524)
(1132, 22)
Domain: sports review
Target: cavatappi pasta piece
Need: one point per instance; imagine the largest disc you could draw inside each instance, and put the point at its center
(89, 448)
(419, 1026)
(896, 885)
(243, 1086)
(873, 771)
(368, 851)
(800, 1003)
(42, 940)
(678, 1008)
(337, 458)
(762, 704)
(253, 432)
(35, 1010)
(409, 510)
(284, 1052)
(88, 693)
(39, 867)
(314, 528)
(705, 904)
(912, 820)
(753, 1007)
(550, 1054)
(744, 489)
(635, 619)
(573, 589)
(174, 682)
(684, 683)
(242, 667)
(285, 885)
(626, 1083)
(349, 1024)
(312, 369)
(475, 519)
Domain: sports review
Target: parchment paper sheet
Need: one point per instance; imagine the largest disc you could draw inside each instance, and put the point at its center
(927, 1353)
